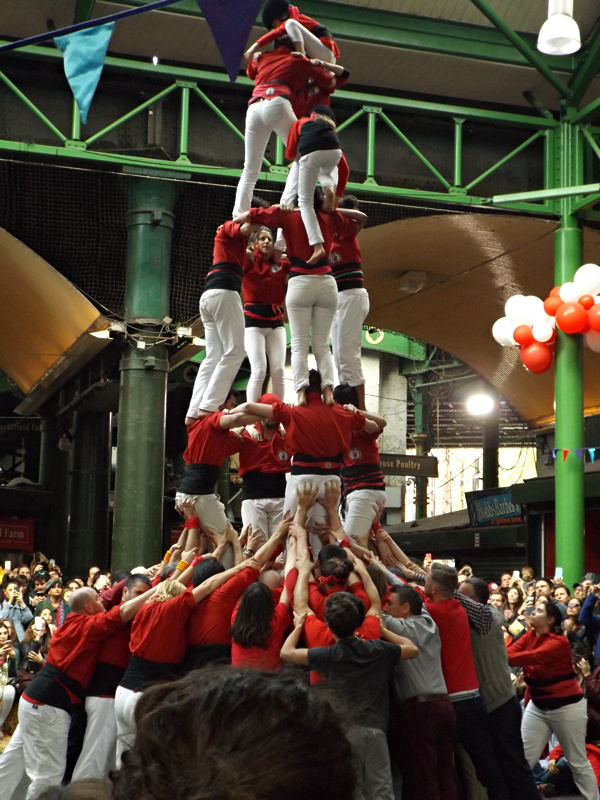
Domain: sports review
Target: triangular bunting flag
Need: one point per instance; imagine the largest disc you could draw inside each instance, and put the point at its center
(554, 451)
(579, 451)
(592, 452)
(230, 22)
(84, 53)
(565, 454)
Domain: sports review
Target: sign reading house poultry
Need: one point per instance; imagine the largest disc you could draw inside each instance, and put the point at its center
(399, 464)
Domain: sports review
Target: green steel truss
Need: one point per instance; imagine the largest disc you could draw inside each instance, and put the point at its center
(196, 86)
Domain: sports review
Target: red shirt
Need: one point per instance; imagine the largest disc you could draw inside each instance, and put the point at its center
(211, 619)
(261, 657)
(229, 255)
(317, 597)
(308, 23)
(545, 659)
(157, 631)
(298, 248)
(277, 73)
(264, 282)
(361, 465)
(306, 99)
(317, 429)
(263, 455)
(208, 442)
(115, 649)
(457, 658)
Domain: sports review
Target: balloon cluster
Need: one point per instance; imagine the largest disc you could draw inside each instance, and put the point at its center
(530, 322)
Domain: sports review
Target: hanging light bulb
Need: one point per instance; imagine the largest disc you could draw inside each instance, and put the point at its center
(559, 35)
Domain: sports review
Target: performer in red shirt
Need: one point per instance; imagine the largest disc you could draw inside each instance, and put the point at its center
(472, 730)
(209, 443)
(316, 435)
(363, 486)
(263, 286)
(223, 320)
(308, 35)
(312, 294)
(264, 461)
(39, 745)
(352, 308)
(97, 753)
(277, 75)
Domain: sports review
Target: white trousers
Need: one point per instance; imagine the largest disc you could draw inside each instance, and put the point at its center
(97, 755)
(125, 703)
(263, 514)
(262, 118)
(346, 335)
(223, 320)
(569, 724)
(7, 700)
(211, 512)
(311, 302)
(38, 748)
(361, 507)
(262, 345)
(313, 47)
(319, 166)
(315, 514)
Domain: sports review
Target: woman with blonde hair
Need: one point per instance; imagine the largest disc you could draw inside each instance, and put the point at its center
(158, 643)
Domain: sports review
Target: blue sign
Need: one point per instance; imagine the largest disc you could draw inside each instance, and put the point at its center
(493, 507)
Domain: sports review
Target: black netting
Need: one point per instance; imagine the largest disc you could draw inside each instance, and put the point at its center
(76, 220)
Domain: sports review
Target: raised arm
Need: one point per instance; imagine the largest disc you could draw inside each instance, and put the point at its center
(209, 586)
(289, 651)
(306, 494)
(370, 588)
(265, 553)
(331, 503)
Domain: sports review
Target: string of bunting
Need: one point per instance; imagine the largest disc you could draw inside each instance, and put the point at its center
(579, 452)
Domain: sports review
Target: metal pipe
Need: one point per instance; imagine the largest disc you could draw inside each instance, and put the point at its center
(458, 150)
(184, 121)
(371, 120)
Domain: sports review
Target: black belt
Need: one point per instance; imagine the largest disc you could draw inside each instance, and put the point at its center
(425, 698)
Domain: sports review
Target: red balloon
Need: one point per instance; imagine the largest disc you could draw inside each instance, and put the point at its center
(537, 357)
(552, 304)
(571, 317)
(554, 292)
(587, 327)
(594, 317)
(523, 335)
(552, 340)
(586, 300)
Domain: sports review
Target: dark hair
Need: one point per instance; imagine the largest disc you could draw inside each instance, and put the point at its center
(324, 111)
(339, 567)
(408, 594)
(274, 9)
(330, 551)
(252, 239)
(132, 580)
(167, 571)
(205, 570)
(118, 576)
(285, 41)
(259, 202)
(344, 613)
(314, 381)
(554, 612)
(549, 581)
(345, 394)
(318, 198)
(252, 732)
(349, 201)
(252, 624)
(444, 576)
(520, 601)
(481, 589)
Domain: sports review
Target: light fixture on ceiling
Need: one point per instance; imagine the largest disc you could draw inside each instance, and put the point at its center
(412, 282)
(559, 35)
(480, 404)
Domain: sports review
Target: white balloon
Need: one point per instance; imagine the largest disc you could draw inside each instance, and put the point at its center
(592, 339)
(536, 305)
(542, 332)
(517, 310)
(502, 331)
(570, 293)
(587, 278)
(541, 318)
(597, 299)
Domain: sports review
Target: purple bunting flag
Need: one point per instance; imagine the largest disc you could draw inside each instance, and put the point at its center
(230, 22)
(579, 451)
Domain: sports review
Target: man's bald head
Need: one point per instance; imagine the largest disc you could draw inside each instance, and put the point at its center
(85, 601)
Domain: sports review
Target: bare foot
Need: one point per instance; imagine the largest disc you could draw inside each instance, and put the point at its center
(329, 200)
(318, 253)
(190, 420)
(328, 396)
(302, 396)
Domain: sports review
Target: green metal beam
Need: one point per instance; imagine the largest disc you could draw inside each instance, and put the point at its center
(406, 31)
(546, 194)
(530, 53)
(588, 113)
(586, 71)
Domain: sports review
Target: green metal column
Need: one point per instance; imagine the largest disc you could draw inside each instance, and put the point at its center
(54, 477)
(89, 473)
(569, 375)
(139, 485)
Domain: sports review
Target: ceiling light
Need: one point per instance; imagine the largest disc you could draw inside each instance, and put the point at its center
(412, 282)
(559, 35)
(155, 60)
(480, 404)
